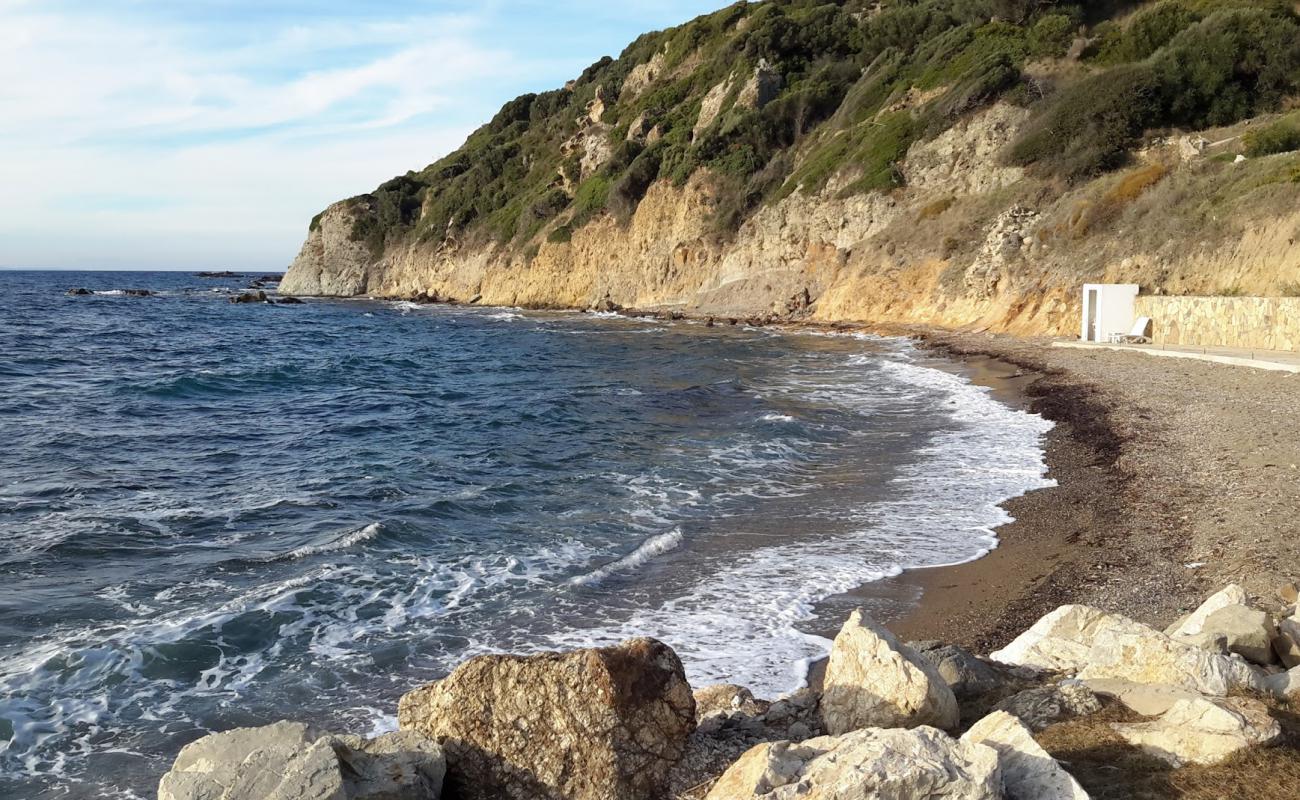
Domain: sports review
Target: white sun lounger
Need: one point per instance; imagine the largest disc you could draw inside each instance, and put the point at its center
(1136, 336)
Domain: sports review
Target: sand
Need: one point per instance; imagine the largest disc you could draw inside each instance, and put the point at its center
(1174, 478)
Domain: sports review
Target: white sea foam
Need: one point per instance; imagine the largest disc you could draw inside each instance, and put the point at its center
(741, 623)
(777, 418)
(650, 548)
(347, 540)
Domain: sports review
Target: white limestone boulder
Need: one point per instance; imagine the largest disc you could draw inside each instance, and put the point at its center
(1147, 699)
(873, 680)
(1143, 655)
(1194, 623)
(1203, 730)
(294, 761)
(1028, 771)
(918, 764)
(1248, 632)
(1284, 685)
(1062, 639)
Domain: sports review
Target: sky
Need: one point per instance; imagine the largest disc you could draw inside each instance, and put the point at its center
(205, 134)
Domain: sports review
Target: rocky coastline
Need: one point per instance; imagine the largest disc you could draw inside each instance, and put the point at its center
(1209, 695)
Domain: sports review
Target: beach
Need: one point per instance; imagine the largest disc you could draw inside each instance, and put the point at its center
(1173, 477)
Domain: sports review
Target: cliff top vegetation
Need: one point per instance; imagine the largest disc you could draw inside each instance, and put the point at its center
(767, 99)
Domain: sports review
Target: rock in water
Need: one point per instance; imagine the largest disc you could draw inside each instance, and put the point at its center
(79, 291)
(1028, 772)
(873, 680)
(293, 761)
(1203, 730)
(919, 764)
(600, 724)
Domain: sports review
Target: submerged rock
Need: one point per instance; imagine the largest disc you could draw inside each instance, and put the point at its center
(587, 725)
(80, 291)
(294, 761)
(137, 293)
(250, 297)
(873, 680)
(919, 764)
(289, 301)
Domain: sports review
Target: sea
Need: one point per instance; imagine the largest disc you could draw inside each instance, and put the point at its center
(216, 515)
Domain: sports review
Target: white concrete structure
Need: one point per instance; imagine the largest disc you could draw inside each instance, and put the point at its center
(1107, 310)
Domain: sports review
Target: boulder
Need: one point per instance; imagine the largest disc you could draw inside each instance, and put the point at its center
(873, 680)
(1194, 623)
(1249, 632)
(1143, 655)
(966, 675)
(592, 724)
(1062, 639)
(289, 301)
(1286, 644)
(79, 291)
(1147, 699)
(1203, 730)
(1284, 685)
(137, 293)
(249, 297)
(919, 764)
(1028, 772)
(731, 722)
(294, 761)
(726, 698)
(1047, 705)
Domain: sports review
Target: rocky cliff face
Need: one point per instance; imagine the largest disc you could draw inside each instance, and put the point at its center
(968, 242)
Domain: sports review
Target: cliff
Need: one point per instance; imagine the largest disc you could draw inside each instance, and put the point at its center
(939, 161)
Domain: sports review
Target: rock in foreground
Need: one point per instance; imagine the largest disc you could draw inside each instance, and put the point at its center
(1203, 730)
(1028, 771)
(919, 764)
(594, 724)
(873, 680)
(293, 761)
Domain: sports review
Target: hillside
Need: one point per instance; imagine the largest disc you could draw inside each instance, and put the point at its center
(960, 162)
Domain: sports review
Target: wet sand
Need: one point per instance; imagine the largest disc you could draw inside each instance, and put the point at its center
(1173, 479)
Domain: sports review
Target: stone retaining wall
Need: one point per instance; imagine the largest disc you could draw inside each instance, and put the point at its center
(1263, 323)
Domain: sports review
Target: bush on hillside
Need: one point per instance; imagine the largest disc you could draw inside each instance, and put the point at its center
(1282, 136)
(1229, 66)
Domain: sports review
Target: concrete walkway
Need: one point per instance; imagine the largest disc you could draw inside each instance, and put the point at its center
(1277, 360)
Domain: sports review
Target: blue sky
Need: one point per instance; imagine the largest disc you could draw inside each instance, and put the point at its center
(191, 134)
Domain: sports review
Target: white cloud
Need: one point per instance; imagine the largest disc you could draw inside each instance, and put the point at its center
(135, 134)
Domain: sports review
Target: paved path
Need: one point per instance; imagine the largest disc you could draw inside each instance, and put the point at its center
(1278, 360)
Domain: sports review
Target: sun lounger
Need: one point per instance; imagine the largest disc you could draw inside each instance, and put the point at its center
(1137, 336)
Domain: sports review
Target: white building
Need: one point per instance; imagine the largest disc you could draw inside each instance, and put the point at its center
(1108, 309)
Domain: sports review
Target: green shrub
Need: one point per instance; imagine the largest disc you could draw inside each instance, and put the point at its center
(1089, 127)
(1282, 136)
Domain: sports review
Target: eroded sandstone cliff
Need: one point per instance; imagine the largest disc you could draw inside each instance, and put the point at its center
(968, 242)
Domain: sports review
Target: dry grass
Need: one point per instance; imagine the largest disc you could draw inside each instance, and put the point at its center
(1093, 214)
(935, 209)
(1111, 769)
